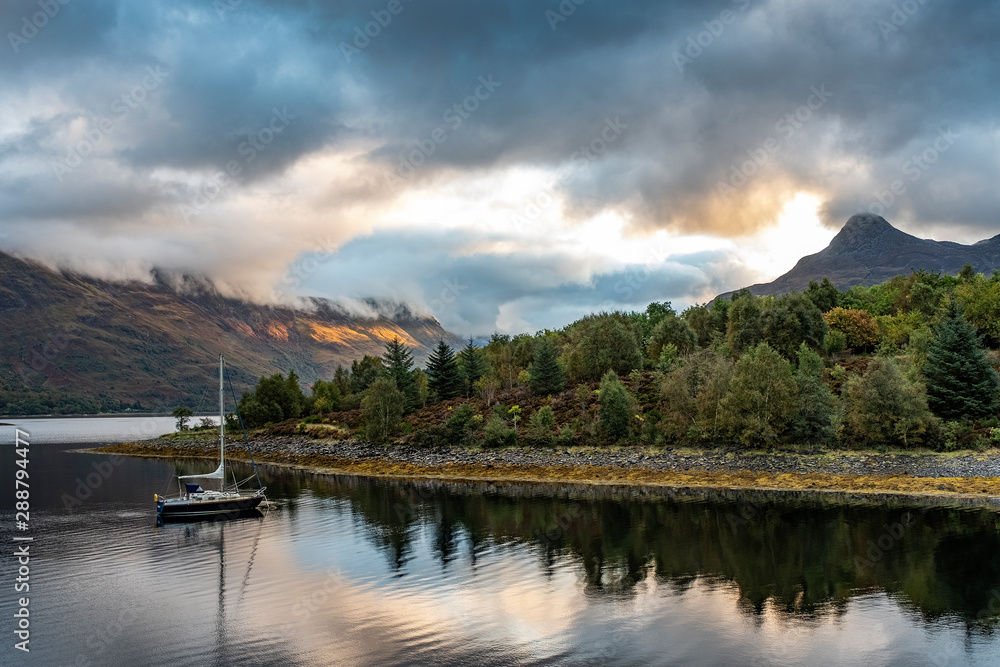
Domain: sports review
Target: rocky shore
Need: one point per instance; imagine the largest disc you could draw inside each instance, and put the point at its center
(975, 474)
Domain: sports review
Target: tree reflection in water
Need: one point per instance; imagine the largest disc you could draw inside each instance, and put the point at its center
(801, 556)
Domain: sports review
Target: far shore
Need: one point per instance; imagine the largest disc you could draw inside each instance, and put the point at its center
(104, 415)
(960, 477)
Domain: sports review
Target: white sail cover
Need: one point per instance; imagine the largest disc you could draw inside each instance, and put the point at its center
(219, 473)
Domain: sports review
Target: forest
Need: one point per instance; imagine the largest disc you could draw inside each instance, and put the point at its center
(908, 363)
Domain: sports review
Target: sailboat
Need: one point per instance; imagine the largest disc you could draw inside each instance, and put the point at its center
(193, 501)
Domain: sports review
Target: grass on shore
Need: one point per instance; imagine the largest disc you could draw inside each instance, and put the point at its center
(592, 474)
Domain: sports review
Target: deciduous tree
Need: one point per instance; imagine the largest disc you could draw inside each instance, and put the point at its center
(884, 407)
(182, 414)
(382, 409)
(761, 396)
(815, 411)
(860, 328)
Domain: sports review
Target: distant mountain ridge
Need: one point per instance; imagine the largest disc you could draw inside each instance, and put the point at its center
(88, 342)
(868, 250)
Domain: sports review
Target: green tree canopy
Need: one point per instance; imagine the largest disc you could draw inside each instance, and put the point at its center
(274, 399)
(743, 329)
(182, 414)
(608, 341)
(342, 380)
(708, 321)
(444, 377)
(364, 372)
(649, 318)
(788, 321)
(547, 376)
(672, 330)
(326, 397)
(884, 407)
(824, 294)
(961, 382)
(691, 396)
(382, 409)
(860, 328)
(761, 398)
(816, 404)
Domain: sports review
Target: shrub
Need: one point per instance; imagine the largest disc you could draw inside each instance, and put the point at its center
(835, 342)
(616, 406)
(541, 424)
(497, 434)
(460, 425)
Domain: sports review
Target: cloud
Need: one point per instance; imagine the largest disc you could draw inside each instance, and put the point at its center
(524, 289)
(233, 139)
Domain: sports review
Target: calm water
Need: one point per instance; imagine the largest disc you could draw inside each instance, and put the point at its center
(88, 430)
(353, 571)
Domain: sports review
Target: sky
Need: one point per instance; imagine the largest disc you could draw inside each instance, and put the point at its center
(503, 166)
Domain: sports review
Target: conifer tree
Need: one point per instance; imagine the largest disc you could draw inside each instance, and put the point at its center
(443, 374)
(399, 366)
(961, 383)
(547, 376)
(473, 366)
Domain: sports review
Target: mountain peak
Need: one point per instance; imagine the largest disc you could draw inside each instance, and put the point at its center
(866, 234)
(866, 223)
(869, 250)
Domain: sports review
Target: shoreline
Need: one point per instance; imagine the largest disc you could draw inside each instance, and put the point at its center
(966, 478)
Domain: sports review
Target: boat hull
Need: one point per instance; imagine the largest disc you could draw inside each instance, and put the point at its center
(194, 509)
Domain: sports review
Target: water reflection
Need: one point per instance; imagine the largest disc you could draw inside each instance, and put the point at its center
(805, 557)
(360, 571)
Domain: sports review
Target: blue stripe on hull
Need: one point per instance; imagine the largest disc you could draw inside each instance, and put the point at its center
(207, 508)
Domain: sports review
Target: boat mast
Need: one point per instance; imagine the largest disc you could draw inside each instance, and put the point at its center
(222, 428)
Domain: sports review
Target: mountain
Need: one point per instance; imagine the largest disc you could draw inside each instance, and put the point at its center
(868, 250)
(70, 343)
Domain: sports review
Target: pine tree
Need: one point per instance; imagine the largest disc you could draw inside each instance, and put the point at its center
(342, 379)
(961, 383)
(473, 366)
(399, 366)
(443, 374)
(547, 376)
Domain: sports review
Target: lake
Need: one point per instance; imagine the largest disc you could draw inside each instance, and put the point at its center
(358, 571)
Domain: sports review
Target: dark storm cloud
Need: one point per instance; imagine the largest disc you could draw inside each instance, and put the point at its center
(724, 110)
(700, 85)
